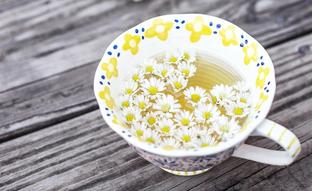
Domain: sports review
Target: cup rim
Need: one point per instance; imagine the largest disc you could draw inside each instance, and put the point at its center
(239, 138)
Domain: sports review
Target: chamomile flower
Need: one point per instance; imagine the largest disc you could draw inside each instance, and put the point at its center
(226, 128)
(163, 70)
(187, 69)
(130, 87)
(206, 113)
(131, 115)
(222, 94)
(189, 56)
(237, 109)
(151, 136)
(149, 66)
(170, 143)
(173, 56)
(166, 103)
(184, 118)
(142, 102)
(153, 86)
(151, 118)
(196, 95)
(125, 101)
(165, 126)
(178, 82)
(187, 136)
(241, 86)
(137, 75)
(138, 129)
(205, 140)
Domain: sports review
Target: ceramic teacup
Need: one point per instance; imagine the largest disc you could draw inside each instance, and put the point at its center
(222, 41)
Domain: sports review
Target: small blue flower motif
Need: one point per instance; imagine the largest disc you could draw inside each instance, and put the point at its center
(178, 23)
(215, 27)
(244, 41)
(140, 32)
(114, 51)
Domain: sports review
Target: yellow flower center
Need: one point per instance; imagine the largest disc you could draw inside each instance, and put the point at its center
(238, 111)
(164, 73)
(142, 105)
(135, 77)
(173, 59)
(228, 35)
(214, 99)
(149, 69)
(177, 85)
(204, 145)
(207, 115)
(185, 72)
(165, 129)
(151, 120)
(186, 138)
(130, 117)
(125, 104)
(160, 29)
(139, 132)
(150, 140)
(224, 129)
(250, 51)
(197, 27)
(195, 97)
(153, 90)
(243, 100)
(186, 56)
(185, 121)
(128, 91)
(165, 107)
(132, 43)
(107, 96)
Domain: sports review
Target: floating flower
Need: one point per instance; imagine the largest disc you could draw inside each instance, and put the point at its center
(250, 53)
(241, 86)
(187, 69)
(187, 136)
(159, 29)
(184, 118)
(167, 103)
(131, 43)
(149, 66)
(164, 70)
(165, 126)
(173, 56)
(130, 87)
(207, 113)
(195, 95)
(177, 82)
(197, 29)
(131, 115)
(137, 76)
(226, 128)
(110, 68)
(138, 129)
(142, 102)
(189, 56)
(237, 109)
(153, 86)
(262, 75)
(106, 96)
(151, 119)
(222, 94)
(170, 144)
(151, 136)
(228, 36)
(205, 140)
(124, 101)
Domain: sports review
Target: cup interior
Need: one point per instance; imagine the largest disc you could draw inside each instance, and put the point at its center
(226, 47)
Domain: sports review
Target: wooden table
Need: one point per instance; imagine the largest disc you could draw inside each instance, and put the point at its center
(52, 134)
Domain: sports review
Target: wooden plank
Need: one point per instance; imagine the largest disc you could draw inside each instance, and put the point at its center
(41, 42)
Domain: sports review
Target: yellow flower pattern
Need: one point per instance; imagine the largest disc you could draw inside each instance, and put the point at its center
(250, 53)
(110, 68)
(228, 36)
(117, 121)
(131, 43)
(106, 96)
(197, 29)
(262, 98)
(262, 75)
(159, 29)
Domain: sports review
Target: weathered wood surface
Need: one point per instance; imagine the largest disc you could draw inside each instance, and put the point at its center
(52, 137)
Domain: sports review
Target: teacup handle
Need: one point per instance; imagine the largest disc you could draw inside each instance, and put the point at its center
(281, 136)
